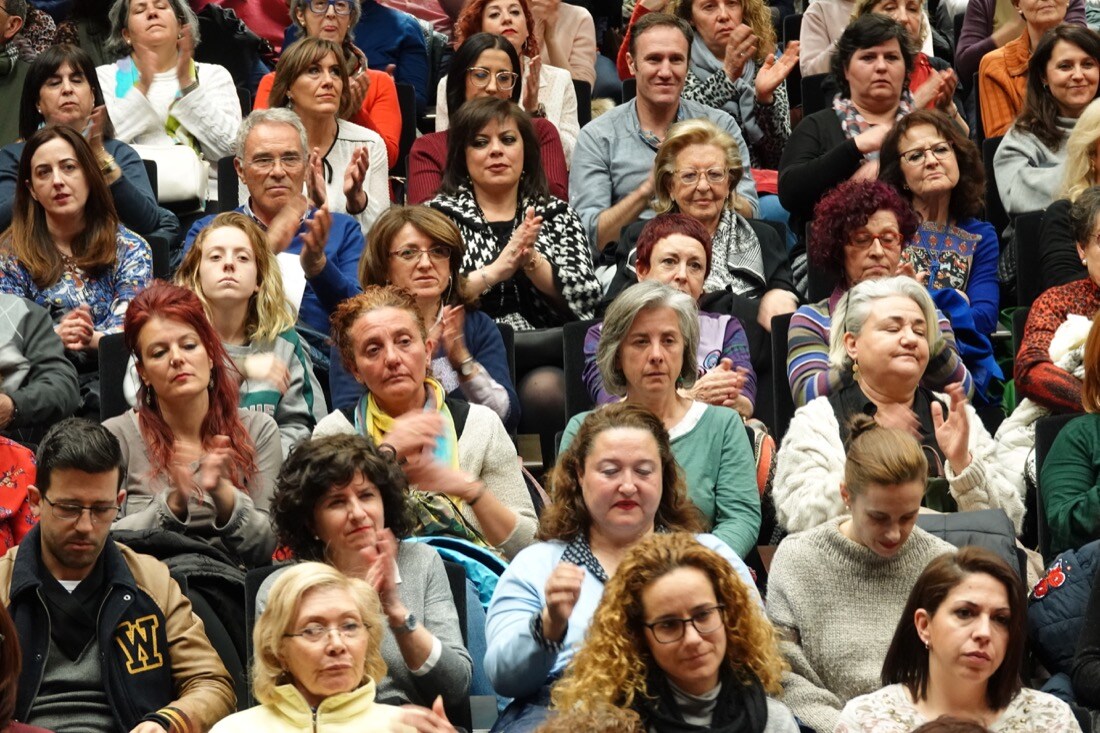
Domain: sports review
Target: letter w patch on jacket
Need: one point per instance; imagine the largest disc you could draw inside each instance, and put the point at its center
(138, 641)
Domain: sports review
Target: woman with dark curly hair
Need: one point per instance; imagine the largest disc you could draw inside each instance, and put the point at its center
(860, 229)
(340, 500)
(1063, 78)
(939, 170)
(679, 638)
(616, 484)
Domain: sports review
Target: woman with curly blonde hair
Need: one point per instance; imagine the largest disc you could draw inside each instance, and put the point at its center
(240, 285)
(616, 484)
(679, 638)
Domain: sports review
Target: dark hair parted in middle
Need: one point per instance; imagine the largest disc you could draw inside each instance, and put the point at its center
(968, 196)
(1040, 113)
(907, 659)
(845, 210)
(467, 55)
(45, 65)
(315, 467)
(468, 123)
(296, 60)
(567, 517)
(866, 32)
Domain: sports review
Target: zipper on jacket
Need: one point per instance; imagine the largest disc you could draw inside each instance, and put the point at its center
(314, 719)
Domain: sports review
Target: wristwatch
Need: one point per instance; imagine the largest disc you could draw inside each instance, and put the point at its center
(410, 625)
(468, 367)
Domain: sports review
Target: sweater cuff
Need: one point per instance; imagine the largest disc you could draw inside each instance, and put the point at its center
(972, 477)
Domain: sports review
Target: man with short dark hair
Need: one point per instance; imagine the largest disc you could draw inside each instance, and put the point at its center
(109, 640)
(610, 182)
(13, 70)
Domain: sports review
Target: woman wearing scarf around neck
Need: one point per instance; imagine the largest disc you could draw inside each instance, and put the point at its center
(458, 455)
(679, 638)
(157, 94)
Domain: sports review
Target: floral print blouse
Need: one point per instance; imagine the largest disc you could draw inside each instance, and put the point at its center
(108, 295)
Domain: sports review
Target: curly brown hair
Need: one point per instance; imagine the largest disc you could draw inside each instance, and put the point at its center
(372, 298)
(611, 667)
(968, 196)
(469, 22)
(566, 517)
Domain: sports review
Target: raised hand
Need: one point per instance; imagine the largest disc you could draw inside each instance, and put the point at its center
(145, 59)
(871, 139)
(562, 590)
(266, 368)
(423, 720)
(531, 85)
(354, 175)
(286, 223)
(452, 335)
(315, 178)
(379, 561)
(775, 71)
(899, 417)
(93, 133)
(358, 84)
(953, 434)
(314, 239)
(521, 247)
(185, 55)
(413, 435)
(76, 329)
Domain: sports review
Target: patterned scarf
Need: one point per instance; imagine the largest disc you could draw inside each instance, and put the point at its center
(853, 123)
(435, 513)
(736, 261)
(127, 75)
(741, 106)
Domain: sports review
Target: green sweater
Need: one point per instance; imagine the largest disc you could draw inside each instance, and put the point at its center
(713, 451)
(1070, 479)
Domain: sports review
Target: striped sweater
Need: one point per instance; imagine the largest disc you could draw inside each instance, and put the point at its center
(811, 376)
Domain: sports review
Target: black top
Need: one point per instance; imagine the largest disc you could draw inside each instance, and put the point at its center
(1058, 258)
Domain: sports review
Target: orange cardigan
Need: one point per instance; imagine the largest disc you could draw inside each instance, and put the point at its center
(1002, 85)
(379, 112)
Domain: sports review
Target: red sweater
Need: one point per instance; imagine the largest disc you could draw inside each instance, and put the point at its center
(1036, 376)
(428, 157)
(380, 110)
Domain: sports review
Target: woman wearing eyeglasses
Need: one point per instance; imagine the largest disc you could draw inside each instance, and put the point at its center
(940, 172)
(372, 94)
(421, 250)
(859, 233)
(485, 65)
(679, 638)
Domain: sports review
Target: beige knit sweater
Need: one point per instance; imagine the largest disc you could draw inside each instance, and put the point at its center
(835, 604)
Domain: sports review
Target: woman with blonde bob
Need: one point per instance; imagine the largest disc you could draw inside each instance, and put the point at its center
(238, 280)
(317, 657)
(674, 599)
(615, 485)
(1058, 260)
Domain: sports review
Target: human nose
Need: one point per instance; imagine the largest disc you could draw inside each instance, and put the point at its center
(334, 640)
(84, 521)
(893, 534)
(982, 627)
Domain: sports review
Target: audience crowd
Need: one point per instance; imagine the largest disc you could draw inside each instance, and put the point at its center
(431, 365)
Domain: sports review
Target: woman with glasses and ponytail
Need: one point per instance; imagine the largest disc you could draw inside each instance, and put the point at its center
(486, 65)
(679, 638)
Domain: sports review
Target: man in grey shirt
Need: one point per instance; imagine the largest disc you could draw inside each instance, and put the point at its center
(610, 183)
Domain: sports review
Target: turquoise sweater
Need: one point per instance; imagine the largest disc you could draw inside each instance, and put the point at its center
(713, 451)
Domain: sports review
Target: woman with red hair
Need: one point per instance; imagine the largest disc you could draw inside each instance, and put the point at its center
(196, 464)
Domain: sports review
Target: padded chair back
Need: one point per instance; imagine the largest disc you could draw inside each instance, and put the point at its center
(995, 212)
(1019, 320)
(978, 132)
(577, 399)
(814, 94)
(253, 579)
(162, 267)
(1046, 430)
(792, 29)
(987, 528)
(630, 89)
(782, 399)
(459, 714)
(406, 100)
(584, 101)
(113, 358)
(151, 172)
(1029, 285)
(508, 336)
(228, 195)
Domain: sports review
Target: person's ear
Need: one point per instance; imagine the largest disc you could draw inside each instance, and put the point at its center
(630, 64)
(238, 166)
(34, 195)
(850, 346)
(34, 498)
(845, 495)
(121, 498)
(13, 26)
(922, 620)
(642, 268)
(1081, 254)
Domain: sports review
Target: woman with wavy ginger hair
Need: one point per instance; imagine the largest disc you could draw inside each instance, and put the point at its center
(677, 627)
(615, 485)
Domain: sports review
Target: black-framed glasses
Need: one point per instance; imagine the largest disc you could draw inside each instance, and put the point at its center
(436, 253)
(480, 76)
(705, 620)
(890, 239)
(68, 512)
(940, 151)
(315, 633)
(692, 176)
(320, 7)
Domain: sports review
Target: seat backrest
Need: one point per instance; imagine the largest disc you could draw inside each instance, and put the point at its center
(253, 579)
(782, 399)
(995, 212)
(1019, 320)
(630, 89)
(814, 93)
(151, 172)
(460, 714)
(577, 399)
(406, 100)
(978, 133)
(162, 267)
(1046, 430)
(508, 336)
(792, 29)
(584, 101)
(113, 358)
(228, 193)
(1029, 285)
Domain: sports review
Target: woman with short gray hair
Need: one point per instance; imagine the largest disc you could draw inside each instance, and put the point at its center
(647, 352)
(882, 334)
(161, 99)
